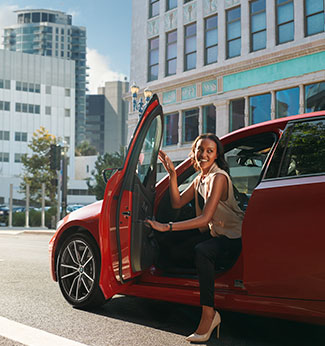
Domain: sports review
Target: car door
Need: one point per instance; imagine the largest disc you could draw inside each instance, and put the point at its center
(283, 229)
(127, 245)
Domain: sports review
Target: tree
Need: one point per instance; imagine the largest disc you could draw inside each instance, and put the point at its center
(36, 168)
(103, 161)
(85, 149)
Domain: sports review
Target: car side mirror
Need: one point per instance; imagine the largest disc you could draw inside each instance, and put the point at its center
(108, 172)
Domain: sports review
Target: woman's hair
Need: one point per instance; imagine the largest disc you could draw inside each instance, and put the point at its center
(220, 160)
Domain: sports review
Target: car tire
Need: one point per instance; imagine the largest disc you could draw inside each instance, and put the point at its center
(78, 271)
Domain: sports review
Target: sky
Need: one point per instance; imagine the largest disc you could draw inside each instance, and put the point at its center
(108, 25)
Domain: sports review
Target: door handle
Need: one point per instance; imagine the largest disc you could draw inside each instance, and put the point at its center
(126, 213)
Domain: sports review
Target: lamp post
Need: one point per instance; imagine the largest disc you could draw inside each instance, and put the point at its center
(138, 105)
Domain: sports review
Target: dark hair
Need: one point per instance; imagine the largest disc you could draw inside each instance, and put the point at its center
(220, 160)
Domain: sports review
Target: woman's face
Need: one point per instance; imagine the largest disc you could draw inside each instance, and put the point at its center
(205, 154)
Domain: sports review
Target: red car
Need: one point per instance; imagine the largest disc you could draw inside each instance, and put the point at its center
(278, 170)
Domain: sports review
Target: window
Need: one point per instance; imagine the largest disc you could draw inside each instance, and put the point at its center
(25, 86)
(170, 4)
(257, 25)
(21, 136)
(246, 158)
(190, 47)
(4, 157)
(67, 92)
(153, 8)
(190, 124)
(236, 114)
(4, 106)
(24, 107)
(37, 88)
(67, 112)
(31, 109)
(233, 32)
(301, 151)
(18, 107)
(7, 84)
(171, 129)
(260, 108)
(18, 86)
(31, 87)
(48, 89)
(171, 53)
(284, 21)
(153, 59)
(37, 109)
(48, 110)
(4, 135)
(314, 17)
(315, 97)
(209, 119)
(211, 40)
(286, 102)
(18, 157)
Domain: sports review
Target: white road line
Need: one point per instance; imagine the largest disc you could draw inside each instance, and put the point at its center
(31, 336)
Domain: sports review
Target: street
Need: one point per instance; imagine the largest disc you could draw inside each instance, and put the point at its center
(29, 296)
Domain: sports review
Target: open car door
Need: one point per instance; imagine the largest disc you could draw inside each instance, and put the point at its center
(127, 245)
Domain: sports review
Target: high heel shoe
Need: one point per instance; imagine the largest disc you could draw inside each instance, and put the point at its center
(205, 337)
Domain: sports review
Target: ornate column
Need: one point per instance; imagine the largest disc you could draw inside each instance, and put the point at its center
(180, 126)
(301, 99)
(246, 111)
(273, 101)
(200, 120)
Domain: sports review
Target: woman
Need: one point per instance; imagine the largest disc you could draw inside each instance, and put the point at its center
(220, 215)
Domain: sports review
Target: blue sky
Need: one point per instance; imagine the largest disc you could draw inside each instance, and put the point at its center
(108, 24)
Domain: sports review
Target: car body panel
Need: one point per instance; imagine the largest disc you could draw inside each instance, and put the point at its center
(273, 277)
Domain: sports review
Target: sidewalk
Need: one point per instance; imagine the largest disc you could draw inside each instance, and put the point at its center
(26, 230)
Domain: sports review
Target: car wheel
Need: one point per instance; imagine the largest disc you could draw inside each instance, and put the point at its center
(78, 269)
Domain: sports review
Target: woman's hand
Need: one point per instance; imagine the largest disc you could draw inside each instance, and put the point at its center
(161, 227)
(167, 162)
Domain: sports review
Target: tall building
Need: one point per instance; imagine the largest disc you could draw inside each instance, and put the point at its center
(219, 65)
(106, 121)
(51, 33)
(35, 91)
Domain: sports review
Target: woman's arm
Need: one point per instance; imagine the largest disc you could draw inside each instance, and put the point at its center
(218, 192)
(177, 200)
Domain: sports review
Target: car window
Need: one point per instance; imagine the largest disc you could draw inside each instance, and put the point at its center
(246, 159)
(148, 155)
(301, 151)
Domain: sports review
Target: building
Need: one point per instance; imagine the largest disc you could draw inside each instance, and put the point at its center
(51, 33)
(106, 121)
(221, 65)
(35, 91)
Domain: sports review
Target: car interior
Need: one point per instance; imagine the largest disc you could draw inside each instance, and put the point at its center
(246, 160)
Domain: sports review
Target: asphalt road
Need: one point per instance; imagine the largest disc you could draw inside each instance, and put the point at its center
(28, 296)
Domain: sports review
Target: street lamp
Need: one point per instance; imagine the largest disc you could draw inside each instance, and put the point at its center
(138, 105)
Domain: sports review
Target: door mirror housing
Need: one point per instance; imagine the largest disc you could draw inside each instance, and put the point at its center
(108, 172)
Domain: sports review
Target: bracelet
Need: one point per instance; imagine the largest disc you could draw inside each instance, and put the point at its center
(170, 226)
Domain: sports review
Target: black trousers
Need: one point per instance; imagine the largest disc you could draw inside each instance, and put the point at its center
(207, 255)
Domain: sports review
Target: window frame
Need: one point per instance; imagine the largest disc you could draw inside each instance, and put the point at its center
(151, 5)
(227, 30)
(305, 19)
(251, 33)
(156, 64)
(168, 44)
(277, 25)
(191, 52)
(206, 47)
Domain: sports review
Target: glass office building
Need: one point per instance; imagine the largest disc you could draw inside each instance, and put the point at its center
(51, 33)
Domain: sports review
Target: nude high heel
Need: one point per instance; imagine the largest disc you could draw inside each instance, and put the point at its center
(205, 337)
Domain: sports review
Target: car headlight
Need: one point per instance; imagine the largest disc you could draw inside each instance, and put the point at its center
(1, 212)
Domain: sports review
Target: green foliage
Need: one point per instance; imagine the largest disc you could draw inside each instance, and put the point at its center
(37, 170)
(85, 149)
(35, 218)
(96, 184)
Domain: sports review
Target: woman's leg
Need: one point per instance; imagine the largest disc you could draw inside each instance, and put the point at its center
(206, 255)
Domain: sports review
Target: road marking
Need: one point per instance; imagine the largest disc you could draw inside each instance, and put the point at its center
(31, 336)
(11, 232)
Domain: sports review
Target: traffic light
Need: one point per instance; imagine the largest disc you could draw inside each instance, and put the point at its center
(55, 157)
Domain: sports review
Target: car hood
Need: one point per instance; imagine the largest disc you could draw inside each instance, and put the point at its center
(85, 215)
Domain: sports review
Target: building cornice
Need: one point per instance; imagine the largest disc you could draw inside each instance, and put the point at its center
(241, 66)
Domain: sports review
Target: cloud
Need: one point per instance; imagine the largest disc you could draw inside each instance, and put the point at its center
(100, 71)
(7, 18)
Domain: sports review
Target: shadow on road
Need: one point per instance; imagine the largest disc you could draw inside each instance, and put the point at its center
(236, 329)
